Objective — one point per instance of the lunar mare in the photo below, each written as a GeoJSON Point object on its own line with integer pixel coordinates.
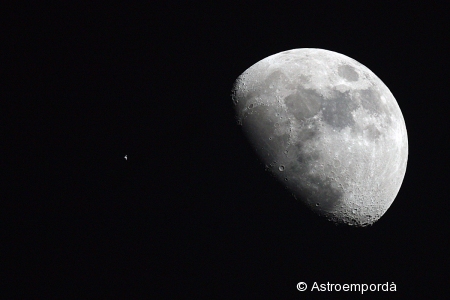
{"type": "Point", "coordinates": [328, 128]}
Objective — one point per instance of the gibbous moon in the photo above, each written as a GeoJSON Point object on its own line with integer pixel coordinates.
{"type": "Point", "coordinates": [328, 128]}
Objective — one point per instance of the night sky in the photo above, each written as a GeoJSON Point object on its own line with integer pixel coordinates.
{"type": "Point", "coordinates": [192, 212]}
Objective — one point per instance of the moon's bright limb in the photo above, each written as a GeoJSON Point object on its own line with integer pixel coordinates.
{"type": "Point", "coordinates": [328, 128]}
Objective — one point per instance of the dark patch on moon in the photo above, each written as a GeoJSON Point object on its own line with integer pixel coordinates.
{"type": "Point", "coordinates": [348, 73]}
{"type": "Point", "coordinates": [304, 103]}
{"type": "Point", "coordinates": [304, 79]}
{"type": "Point", "coordinates": [371, 132]}
{"type": "Point", "coordinates": [277, 79]}
{"type": "Point", "coordinates": [304, 135]}
{"type": "Point", "coordinates": [370, 100]}
{"type": "Point", "coordinates": [337, 110]}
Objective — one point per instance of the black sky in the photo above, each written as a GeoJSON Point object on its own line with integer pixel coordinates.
{"type": "Point", "coordinates": [192, 213]}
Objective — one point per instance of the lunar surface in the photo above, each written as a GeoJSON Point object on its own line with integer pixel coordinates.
{"type": "Point", "coordinates": [328, 128]}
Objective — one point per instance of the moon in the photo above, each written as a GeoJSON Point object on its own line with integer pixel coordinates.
{"type": "Point", "coordinates": [328, 128]}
